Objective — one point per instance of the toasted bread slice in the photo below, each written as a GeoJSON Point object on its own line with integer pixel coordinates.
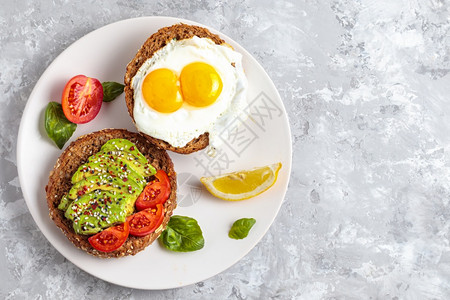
{"type": "Point", "coordinates": [76, 154]}
{"type": "Point", "coordinates": [151, 45]}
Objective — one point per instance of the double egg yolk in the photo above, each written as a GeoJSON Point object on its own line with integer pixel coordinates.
{"type": "Point", "coordinates": [198, 85]}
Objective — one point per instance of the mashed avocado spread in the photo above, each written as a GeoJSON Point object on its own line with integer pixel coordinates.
{"type": "Point", "coordinates": [106, 187]}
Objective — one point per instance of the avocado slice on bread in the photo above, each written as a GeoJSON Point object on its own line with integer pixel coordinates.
{"type": "Point", "coordinates": [81, 211]}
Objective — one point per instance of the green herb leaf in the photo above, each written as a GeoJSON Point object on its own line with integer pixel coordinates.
{"type": "Point", "coordinates": [58, 128]}
{"type": "Point", "coordinates": [111, 90]}
{"type": "Point", "coordinates": [183, 234]}
{"type": "Point", "coordinates": [241, 228]}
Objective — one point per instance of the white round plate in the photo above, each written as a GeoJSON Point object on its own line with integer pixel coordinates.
{"type": "Point", "coordinates": [264, 138]}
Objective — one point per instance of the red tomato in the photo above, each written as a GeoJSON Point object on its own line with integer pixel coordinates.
{"type": "Point", "coordinates": [146, 221]}
{"type": "Point", "coordinates": [110, 239]}
{"type": "Point", "coordinates": [155, 192]}
{"type": "Point", "coordinates": [81, 99]}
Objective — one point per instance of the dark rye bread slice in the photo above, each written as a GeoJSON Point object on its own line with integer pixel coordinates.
{"type": "Point", "coordinates": [76, 154]}
{"type": "Point", "coordinates": [151, 45]}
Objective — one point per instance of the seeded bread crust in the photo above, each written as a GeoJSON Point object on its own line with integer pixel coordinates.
{"type": "Point", "coordinates": [76, 154]}
{"type": "Point", "coordinates": [151, 45]}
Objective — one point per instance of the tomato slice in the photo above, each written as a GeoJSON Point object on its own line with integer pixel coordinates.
{"type": "Point", "coordinates": [146, 221]}
{"type": "Point", "coordinates": [110, 239]}
{"type": "Point", "coordinates": [155, 192]}
{"type": "Point", "coordinates": [162, 177]}
{"type": "Point", "coordinates": [82, 99]}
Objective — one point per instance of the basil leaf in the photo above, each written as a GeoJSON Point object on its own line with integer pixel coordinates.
{"type": "Point", "coordinates": [183, 234]}
{"type": "Point", "coordinates": [241, 228]}
{"type": "Point", "coordinates": [58, 128]}
{"type": "Point", "coordinates": [111, 90]}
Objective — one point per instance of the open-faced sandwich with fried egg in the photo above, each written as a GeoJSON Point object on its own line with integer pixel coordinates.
{"type": "Point", "coordinates": [183, 87]}
{"type": "Point", "coordinates": [112, 192]}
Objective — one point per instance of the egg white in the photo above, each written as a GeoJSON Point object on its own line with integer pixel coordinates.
{"type": "Point", "coordinates": [188, 122]}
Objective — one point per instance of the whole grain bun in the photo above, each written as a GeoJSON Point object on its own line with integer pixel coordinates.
{"type": "Point", "coordinates": [76, 154]}
{"type": "Point", "coordinates": [151, 45]}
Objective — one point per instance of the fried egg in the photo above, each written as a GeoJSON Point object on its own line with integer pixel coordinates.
{"type": "Point", "coordinates": [187, 88]}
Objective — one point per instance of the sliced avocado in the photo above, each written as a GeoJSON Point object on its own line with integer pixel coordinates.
{"type": "Point", "coordinates": [64, 203]}
{"type": "Point", "coordinates": [89, 169]}
{"type": "Point", "coordinates": [106, 187]}
{"type": "Point", "coordinates": [104, 182]}
{"type": "Point", "coordinates": [124, 145]}
{"type": "Point", "coordinates": [131, 174]}
{"type": "Point", "coordinates": [112, 168]}
{"type": "Point", "coordinates": [87, 224]}
{"type": "Point", "coordinates": [92, 212]}
{"type": "Point", "coordinates": [126, 159]}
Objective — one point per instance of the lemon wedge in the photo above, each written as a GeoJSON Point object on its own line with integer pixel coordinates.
{"type": "Point", "coordinates": [242, 184]}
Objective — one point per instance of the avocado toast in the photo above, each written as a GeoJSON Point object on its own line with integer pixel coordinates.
{"type": "Point", "coordinates": [88, 170]}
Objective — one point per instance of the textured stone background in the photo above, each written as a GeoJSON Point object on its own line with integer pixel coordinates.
{"type": "Point", "coordinates": [366, 84]}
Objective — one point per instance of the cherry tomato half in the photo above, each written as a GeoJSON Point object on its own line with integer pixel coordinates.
{"type": "Point", "coordinates": [146, 221]}
{"type": "Point", "coordinates": [82, 99]}
{"type": "Point", "coordinates": [155, 192]}
{"type": "Point", "coordinates": [110, 239]}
